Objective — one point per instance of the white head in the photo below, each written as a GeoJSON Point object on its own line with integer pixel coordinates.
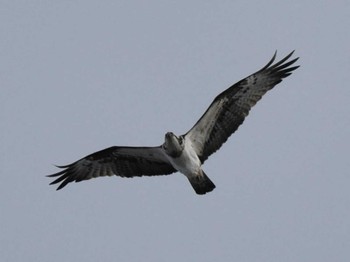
{"type": "Point", "coordinates": [173, 145]}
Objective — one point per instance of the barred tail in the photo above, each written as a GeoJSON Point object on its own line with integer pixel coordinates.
{"type": "Point", "coordinates": [201, 183]}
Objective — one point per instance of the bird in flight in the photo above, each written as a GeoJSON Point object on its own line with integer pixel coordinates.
{"type": "Point", "coordinates": [185, 153]}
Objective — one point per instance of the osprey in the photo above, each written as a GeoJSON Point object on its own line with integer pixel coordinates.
{"type": "Point", "coordinates": [185, 153]}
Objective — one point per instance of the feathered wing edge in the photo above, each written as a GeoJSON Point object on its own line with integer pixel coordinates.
{"type": "Point", "coordinates": [119, 161]}
{"type": "Point", "coordinates": [208, 134]}
{"type": "Point", "coordinates": [279, 65]}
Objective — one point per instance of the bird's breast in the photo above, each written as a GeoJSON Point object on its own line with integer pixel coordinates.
{"type": "Point", "coordinates": [188, 162]}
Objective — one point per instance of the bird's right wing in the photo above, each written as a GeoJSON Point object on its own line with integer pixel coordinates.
{"type": "Point", "coordinates": [120, 161]}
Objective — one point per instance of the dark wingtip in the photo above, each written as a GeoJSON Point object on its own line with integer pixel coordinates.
{"type": "Point", "coordinates": [58, 173]}
{"type": "Point", "coordinates": [62, 177]}
{"type": "Point", "coordinates": [282, 67]}
{"type": "Point", "coordinates": [61, 186]}
{"type": "Point", "coordinates": [279, 62]}
{"type": "Point", "coordinates": [270, 62]}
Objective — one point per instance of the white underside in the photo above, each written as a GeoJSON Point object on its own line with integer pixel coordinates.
{"type": "Point", "coordinates": [188, 162]}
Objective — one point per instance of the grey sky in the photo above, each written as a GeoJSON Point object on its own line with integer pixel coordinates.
{"type": "Point", "coordinates": [80, 76]}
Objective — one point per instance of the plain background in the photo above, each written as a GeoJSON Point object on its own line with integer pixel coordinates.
{"type": "Point", "coordinates": [80, 76]}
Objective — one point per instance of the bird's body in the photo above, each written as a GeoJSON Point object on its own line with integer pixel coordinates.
{"type": "Point", "coordinates": [183, 157]}
{"type": "Point", "coordinates": [185, 153]}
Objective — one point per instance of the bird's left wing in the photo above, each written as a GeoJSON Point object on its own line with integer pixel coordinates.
{"type": "Point", "coordinates": [120, 161]}
{"type": "Point", "coordinates": [229, 109]}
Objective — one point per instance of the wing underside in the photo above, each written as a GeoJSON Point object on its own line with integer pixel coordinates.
{"type": "Point", "coordinates": [119, 161]}
{"type": "Point", "coordinates": [229, 109]}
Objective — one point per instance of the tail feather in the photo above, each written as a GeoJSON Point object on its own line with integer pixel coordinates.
{"type": "Point", "coordinates": [201, 183]}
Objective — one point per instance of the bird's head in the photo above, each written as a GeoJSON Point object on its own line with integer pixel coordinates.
{"type": "Point", "coordinates": [173, 145]}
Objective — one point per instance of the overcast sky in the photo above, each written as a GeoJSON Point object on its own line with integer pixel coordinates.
{"type": "Point", "coordinates": [79, 76]}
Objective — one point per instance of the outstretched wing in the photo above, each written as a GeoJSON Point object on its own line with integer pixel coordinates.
{"type": "Point", "coordinates": [120, 161]}
{"type": "Point", "coordinates": [229, 109]}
